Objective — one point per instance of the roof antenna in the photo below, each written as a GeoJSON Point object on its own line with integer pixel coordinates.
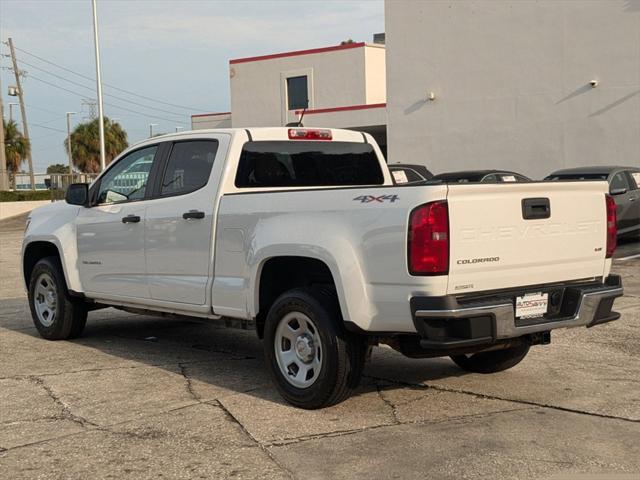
{"type": "Point", "coordinates": [304, 110]}
{"type": "Point", "coordinates": [299, 122]}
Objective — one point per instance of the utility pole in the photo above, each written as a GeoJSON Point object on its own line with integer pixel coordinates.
{"type": "Point", "coordinates": [4, 175]}
{"type": "Point", "coordinates": [96, 42]}
{"type": "Point", "coordinates": [69, 146]}
{"type": "Point", "coordinates": [23, 112]}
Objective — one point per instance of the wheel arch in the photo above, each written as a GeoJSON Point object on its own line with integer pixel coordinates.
{"type": "Point", "coordinates": [280, 273]}
{"type": "Point", "coordinates": [34, 252]}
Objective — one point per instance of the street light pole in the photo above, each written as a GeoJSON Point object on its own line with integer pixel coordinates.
{"type": "Point", "coordinates": [96, 42]}
{"type": "Point", "coordinates": [69, 146]}
{"type": "Point", "coordinates": [11, 105]}
{"type": "Point", "coordinates": [151, 125]}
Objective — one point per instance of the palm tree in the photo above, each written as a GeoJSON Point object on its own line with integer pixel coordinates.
{"type": "Point", "coordinates": [85, 144]}
{"type": "Point", "coordinates": [16, 147]}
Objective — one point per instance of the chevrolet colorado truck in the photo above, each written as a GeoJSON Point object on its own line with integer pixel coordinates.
{"type": "Point", "coordinates": [302, 234]}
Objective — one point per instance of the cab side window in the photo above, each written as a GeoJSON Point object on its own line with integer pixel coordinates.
{"type": "Point", "coordinates": [490, 179]}
{"type": "Point", "coordinates": [127, 180]}
{"type": "Point", "coordinates": [188, 167]}
{"type": "Point", "coordinates": [619, 181]}
{"type": "Point", "coordinates": [634, 179]}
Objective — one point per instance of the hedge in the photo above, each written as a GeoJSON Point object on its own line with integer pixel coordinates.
{"type": "Point", "coordinates": [25, 196]}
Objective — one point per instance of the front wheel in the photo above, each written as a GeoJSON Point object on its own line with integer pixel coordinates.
{"type": "Point", "coordinates": [492, 361]}
{"type": "Point", "coordinates": [54, 313]}
{"type": "Point", "coordinates": [314, 361]}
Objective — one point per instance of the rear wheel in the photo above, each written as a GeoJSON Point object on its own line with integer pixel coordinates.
{"type": "Point", "coordinates": [493, 361]}
{"type": "Point", "coordinates": [54, 313]}
{"type": "Point", "coordinates": [314, 361]}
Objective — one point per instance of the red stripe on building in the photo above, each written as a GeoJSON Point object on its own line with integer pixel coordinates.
{"type": "Point", "coordinates": [342, 109]}
{"type": "Point", "coordinates": [210, 114]}
{"type": "Point", "coordinates": [298, 52]}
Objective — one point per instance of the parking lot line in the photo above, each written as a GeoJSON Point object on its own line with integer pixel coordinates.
{"type": "Point", "coordinates": [630, 257]}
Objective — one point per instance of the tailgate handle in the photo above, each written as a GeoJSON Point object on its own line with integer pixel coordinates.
{"type": "Point", "coordinates": [534, 208]}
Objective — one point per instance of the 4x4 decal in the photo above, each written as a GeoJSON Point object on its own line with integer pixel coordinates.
{"type": "Point", "coordinates": [374, 199]}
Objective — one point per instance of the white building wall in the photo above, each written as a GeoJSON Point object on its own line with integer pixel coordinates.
{"type": "Point", "coordinates": [375, 74]}
{"type": "Point", "coordinates": [211, 120]}
{"type": "Point", "coordinates": [511, 80]}
{"type": "Point", "coordinates": [336, 78]}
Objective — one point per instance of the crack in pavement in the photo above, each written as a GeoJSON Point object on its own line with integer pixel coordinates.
{"type": "Point", "coordinates": [263, 447]}
{"type": "Point", "coordinates": [188, 383]}
{"type": "Point", "coordinates": [66, 409]}
{"type": "Point", "coordinates": [388, 403]}
{"type": "Point", "coordinates": [495, 397]}
{"type": "Point", "coordinates": [108, 369]}
{"type": "Point", "coordinates": [103, 428]}
{"type": "Point", "coordinates": [48, 418]}
{"type": "Point", "coordinates": [342, 433]}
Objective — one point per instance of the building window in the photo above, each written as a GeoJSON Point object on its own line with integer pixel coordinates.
{"type": "Point", "coordinates": [297, 93]}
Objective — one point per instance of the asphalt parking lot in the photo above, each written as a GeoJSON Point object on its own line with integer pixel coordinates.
{"type": "Point", "coordinates": [143, 397]}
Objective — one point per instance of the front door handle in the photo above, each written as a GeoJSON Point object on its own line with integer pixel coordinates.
{"type": "Point", "coordinates": [192, 214]}
{"type": "Point", "coordinates": [131, 219]}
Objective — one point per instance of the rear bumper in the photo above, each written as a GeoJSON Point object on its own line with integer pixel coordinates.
{"type": "Point", "coordinates": [454, 322]}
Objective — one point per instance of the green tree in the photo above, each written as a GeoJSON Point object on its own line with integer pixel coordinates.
{"type": "Point", "coordinates": [16, 147]}
{"type": "Point", "coordinates": [85, 144]}
{"type": "Point", "coordinates": [58, 168]}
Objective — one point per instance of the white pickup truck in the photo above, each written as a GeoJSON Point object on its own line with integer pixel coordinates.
{"type": "Point", "coordinates": [302, 234]}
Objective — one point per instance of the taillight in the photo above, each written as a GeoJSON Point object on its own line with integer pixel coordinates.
{"type": "Point", "coordinates": [612, 226]}
{"type": "Point", "coordinates": [308, 134]}
{"type": "Point", "coordinates": [429, 239]}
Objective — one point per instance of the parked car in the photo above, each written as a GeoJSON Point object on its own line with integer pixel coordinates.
{"type": "Point", "coordinates": [406, 174]}
{"type": "Point", "coordinates": [481, 176]}
{"type": "Point", "coordinates": [624, 187]}
{"type": "Point", "coordinates": [302, 234]}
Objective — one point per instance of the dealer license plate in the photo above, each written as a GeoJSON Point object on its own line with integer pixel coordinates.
{"type": "Point", "coordinates": [532, 305]}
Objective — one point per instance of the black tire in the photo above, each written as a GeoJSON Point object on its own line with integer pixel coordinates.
{"type": "Point", "coordinates": [343, 353]}
{"type": "Point", "coordinates": [493, 361]}
{"type": "Point", "coordinates": [70, 316]}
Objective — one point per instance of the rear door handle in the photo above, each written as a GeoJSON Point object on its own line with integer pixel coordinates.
{"type": "Point", "coordinates": [131, 219]}
{"type": "Point", "coordinates": [192, 214]}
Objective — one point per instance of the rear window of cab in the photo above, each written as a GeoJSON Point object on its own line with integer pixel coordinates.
{"type": "Point", "coordinates": [307, 164]}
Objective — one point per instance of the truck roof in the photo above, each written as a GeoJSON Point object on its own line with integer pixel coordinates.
{"type": "Point", "coordinates": [263, 133]}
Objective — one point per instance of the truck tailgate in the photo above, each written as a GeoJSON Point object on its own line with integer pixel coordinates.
{"type": "Point", "coordinates": [499, 237]}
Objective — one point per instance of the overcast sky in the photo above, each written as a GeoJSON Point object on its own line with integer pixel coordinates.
{"type": "Point", "coordinates": [173, 51]}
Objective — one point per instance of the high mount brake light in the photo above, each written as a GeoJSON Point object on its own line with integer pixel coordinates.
{"type": "Point", "coordinates": [308, 134]}
{"type": "Point", "coordinates": [612, 226]}
{"type": "Point", "coordinates": [428, 239]}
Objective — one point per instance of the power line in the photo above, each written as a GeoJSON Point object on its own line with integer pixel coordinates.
{"type": "Point", "coordinates": [48, 128]}
{"type": "Point", "coordinates": [106, 94]}
{"type": "Point", "coordinates": [86, 77]}
{"type": "Point", "coordinates": [43, 109]}
{"type": "Point", "coordinates": [141, 114]}
{"type": "Point", "coordinates": [40, 137]}
{"type": "Point", "coordinates": [57, 119]}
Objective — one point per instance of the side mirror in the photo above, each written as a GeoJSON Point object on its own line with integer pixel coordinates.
{"type": "Point", "coordinates": [617, 191]}
{"type": "Point", "coordinates": [77, 194]}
